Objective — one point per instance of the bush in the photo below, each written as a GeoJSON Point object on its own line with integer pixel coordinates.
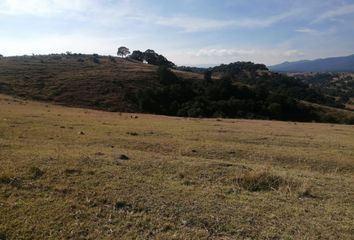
{"type": "Point", "coordinates": [255, 181]}
{"type": "Point", "coordinates": [35, 173]}
{"type": "Point", "coordinates": [166, 76]}
{"type": "Point", "coordinates": [112, 59]}
{"type": "Point", "coordinates": [96, 59]}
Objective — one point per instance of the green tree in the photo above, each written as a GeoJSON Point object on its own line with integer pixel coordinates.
{"type": "Point", "coordinates": [137, 55]}
{"type": "Point", "coordinates": [123, 51]}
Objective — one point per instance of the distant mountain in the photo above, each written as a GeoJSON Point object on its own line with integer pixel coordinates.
{"type": "Point", "coordinates": [334, 64]}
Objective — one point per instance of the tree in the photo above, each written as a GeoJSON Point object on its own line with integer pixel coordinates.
{"type": "Point", "coordinates": [137, 55]}
{"type": "Point", "coordinates": [166, 76]}
{"type": "Point", "coordinates": [151, 57]}
{"type": "Point", "coordinates": [123, 51]}
{"type": "Point", "coordinates": [207, 76]}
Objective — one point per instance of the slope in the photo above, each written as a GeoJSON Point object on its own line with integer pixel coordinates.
{"type": "Point", "coordinates": [334, 64]}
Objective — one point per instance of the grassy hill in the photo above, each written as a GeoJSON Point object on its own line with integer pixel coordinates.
{"type": "Point", "coordinates": [63, 176]}
{"type": "Point", "coordinates": [123, 85]}
{"type": "Point", "coordinates": [79, 80]}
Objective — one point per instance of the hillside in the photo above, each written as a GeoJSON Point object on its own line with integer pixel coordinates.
{"type": "Point", "coordinates": [79, 80]}
{"type": "Point", "coordinates": [243, 90]}
{"type": "Point", "coordinates": [336, 85]}
{"type": "Point", "coordinates": [334, 64]}
{"type": "Point", "coordinates": [71, 173]}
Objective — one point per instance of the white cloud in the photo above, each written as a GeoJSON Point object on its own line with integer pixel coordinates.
{"type": "Point", "coordinates": [192, 24]}
{"type": "Point", "coordinates": [77, 43]}
{"type": "Point", "coordinates": [42, 7]}
{"type": "Point", "coordinates": [221, 52]}
{"type": "Point", "coordinates": [305, 30]}
{"type": "Point", "coordinates": [215, 56]}
{"type": "Point", "coordinates": [106, 12]}
{"type": "Point", "coordinates": [334, 13]}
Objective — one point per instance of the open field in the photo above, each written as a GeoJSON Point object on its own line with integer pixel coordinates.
{"type": "Point", "coordinates": [62, 176]}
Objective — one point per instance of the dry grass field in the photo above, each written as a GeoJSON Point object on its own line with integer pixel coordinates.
{"type": "Point", "coordinates": [69, 173]}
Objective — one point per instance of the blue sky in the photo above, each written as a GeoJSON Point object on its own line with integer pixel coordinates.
{"type": "Point", "coordinates": [188, 32]}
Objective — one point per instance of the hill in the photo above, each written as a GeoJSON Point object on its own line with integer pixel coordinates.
{"type": "Point", "coordinates": [70, 173]}
{"type": "Point", "coordinates": [339, 86]}
{"type": "Point", "coordinates": [243, 90]}
{"type": "Point", "coordinates": [78, 80]}
{"type": "Point", "coordinates": [334, 64]}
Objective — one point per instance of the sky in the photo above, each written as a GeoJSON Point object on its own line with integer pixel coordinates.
{"type": "Point", "coordinates": [187, 32]}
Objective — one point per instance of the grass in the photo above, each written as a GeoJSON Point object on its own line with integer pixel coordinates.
{"type": "Point", "coordinates": [76, 80]}
{"type": "Point", "coordinates": [61, 176]}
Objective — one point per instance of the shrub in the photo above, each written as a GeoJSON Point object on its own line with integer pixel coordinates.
{"type": "Point", "coordinates": [166, 76]}
{"type": "Point", "coordinates": [35, 173]}
{"type": "Point", "coordinates": [112, 59]}
{"type": "Point", "coordinates": [96, 59]}
{"type": "Point", "coordinates": [256, 181]}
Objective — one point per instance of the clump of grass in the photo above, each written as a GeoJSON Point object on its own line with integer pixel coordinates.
{"type": "Point", "coordinates": [6, 180]}
{"type": "Point", "coordinates": [257, 181]}
{"type": "Point", "coordinates": [133, 133]}
{"type": "Point", "coordinates": [3, 236]}
{"type": "Point", "coordinates": [122, 157]}
{"type": "Point", "coordinates": [35, 173]}
{"type": "Point", "coordinates": [306, 192]}
{"type": "Point", "coordinates": [122, 205]}
{"type": "Point", "coordinates": [71, 171]}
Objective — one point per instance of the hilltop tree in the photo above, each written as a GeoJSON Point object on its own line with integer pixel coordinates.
{"type": "Point", "coordinates": [123, 51]}
{"type": "Point", "coordinates": [137, 55]}
{"type": "Point", "coordinates": [156, 59]}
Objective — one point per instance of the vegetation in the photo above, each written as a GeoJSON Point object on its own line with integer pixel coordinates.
{"type": "Point", "coordinates": [117, 84]}
{"type": "Point", "coordinates": [123, 51]}
{"type": "Point", "coordinates": [273, 97]}
{"type": "Point", "coordinates": [151, 57]}
{"type": "Point", "coordinates": [339, 86]}
{"type": "Point", "coordinates": [63, 175]}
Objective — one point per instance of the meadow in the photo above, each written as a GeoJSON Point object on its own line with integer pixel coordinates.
{"type": "Point", "coordinates": [72, 173]}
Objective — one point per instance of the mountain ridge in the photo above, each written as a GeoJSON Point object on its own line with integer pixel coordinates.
{"type": "Point", "coordinates": [331, 64]}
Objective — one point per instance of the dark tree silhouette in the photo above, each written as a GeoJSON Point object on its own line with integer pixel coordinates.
{"type": "Point", "coordinates": [137, 55]}
{"type": "Point", "coordinates": [123, 51]}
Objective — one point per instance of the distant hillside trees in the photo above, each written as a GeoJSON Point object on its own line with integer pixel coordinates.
{"type": "Point", "coordinates": [218, 98]}
{"type": "Point", "coordinates": [123, 51]}
{"type": "Point", "coordinates": [151, 57]}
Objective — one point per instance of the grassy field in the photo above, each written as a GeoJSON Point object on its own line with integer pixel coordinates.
{"type": "Point", "coordinates": [68, 173]}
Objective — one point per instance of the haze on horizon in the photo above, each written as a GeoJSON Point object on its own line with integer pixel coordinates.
{"type": "Point", "coordinates": [188, 32]}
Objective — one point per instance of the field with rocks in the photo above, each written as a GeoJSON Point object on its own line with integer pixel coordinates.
{"type": "Point", "coordinates": [70, 173]}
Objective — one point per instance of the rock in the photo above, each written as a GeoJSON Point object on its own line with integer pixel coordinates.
{"type": "Point", "coordinates": [81, 133]}
{"type": "Point", "coordinates": [123, 157]}
{"type": "Point", "coordinates": [132, 133]}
